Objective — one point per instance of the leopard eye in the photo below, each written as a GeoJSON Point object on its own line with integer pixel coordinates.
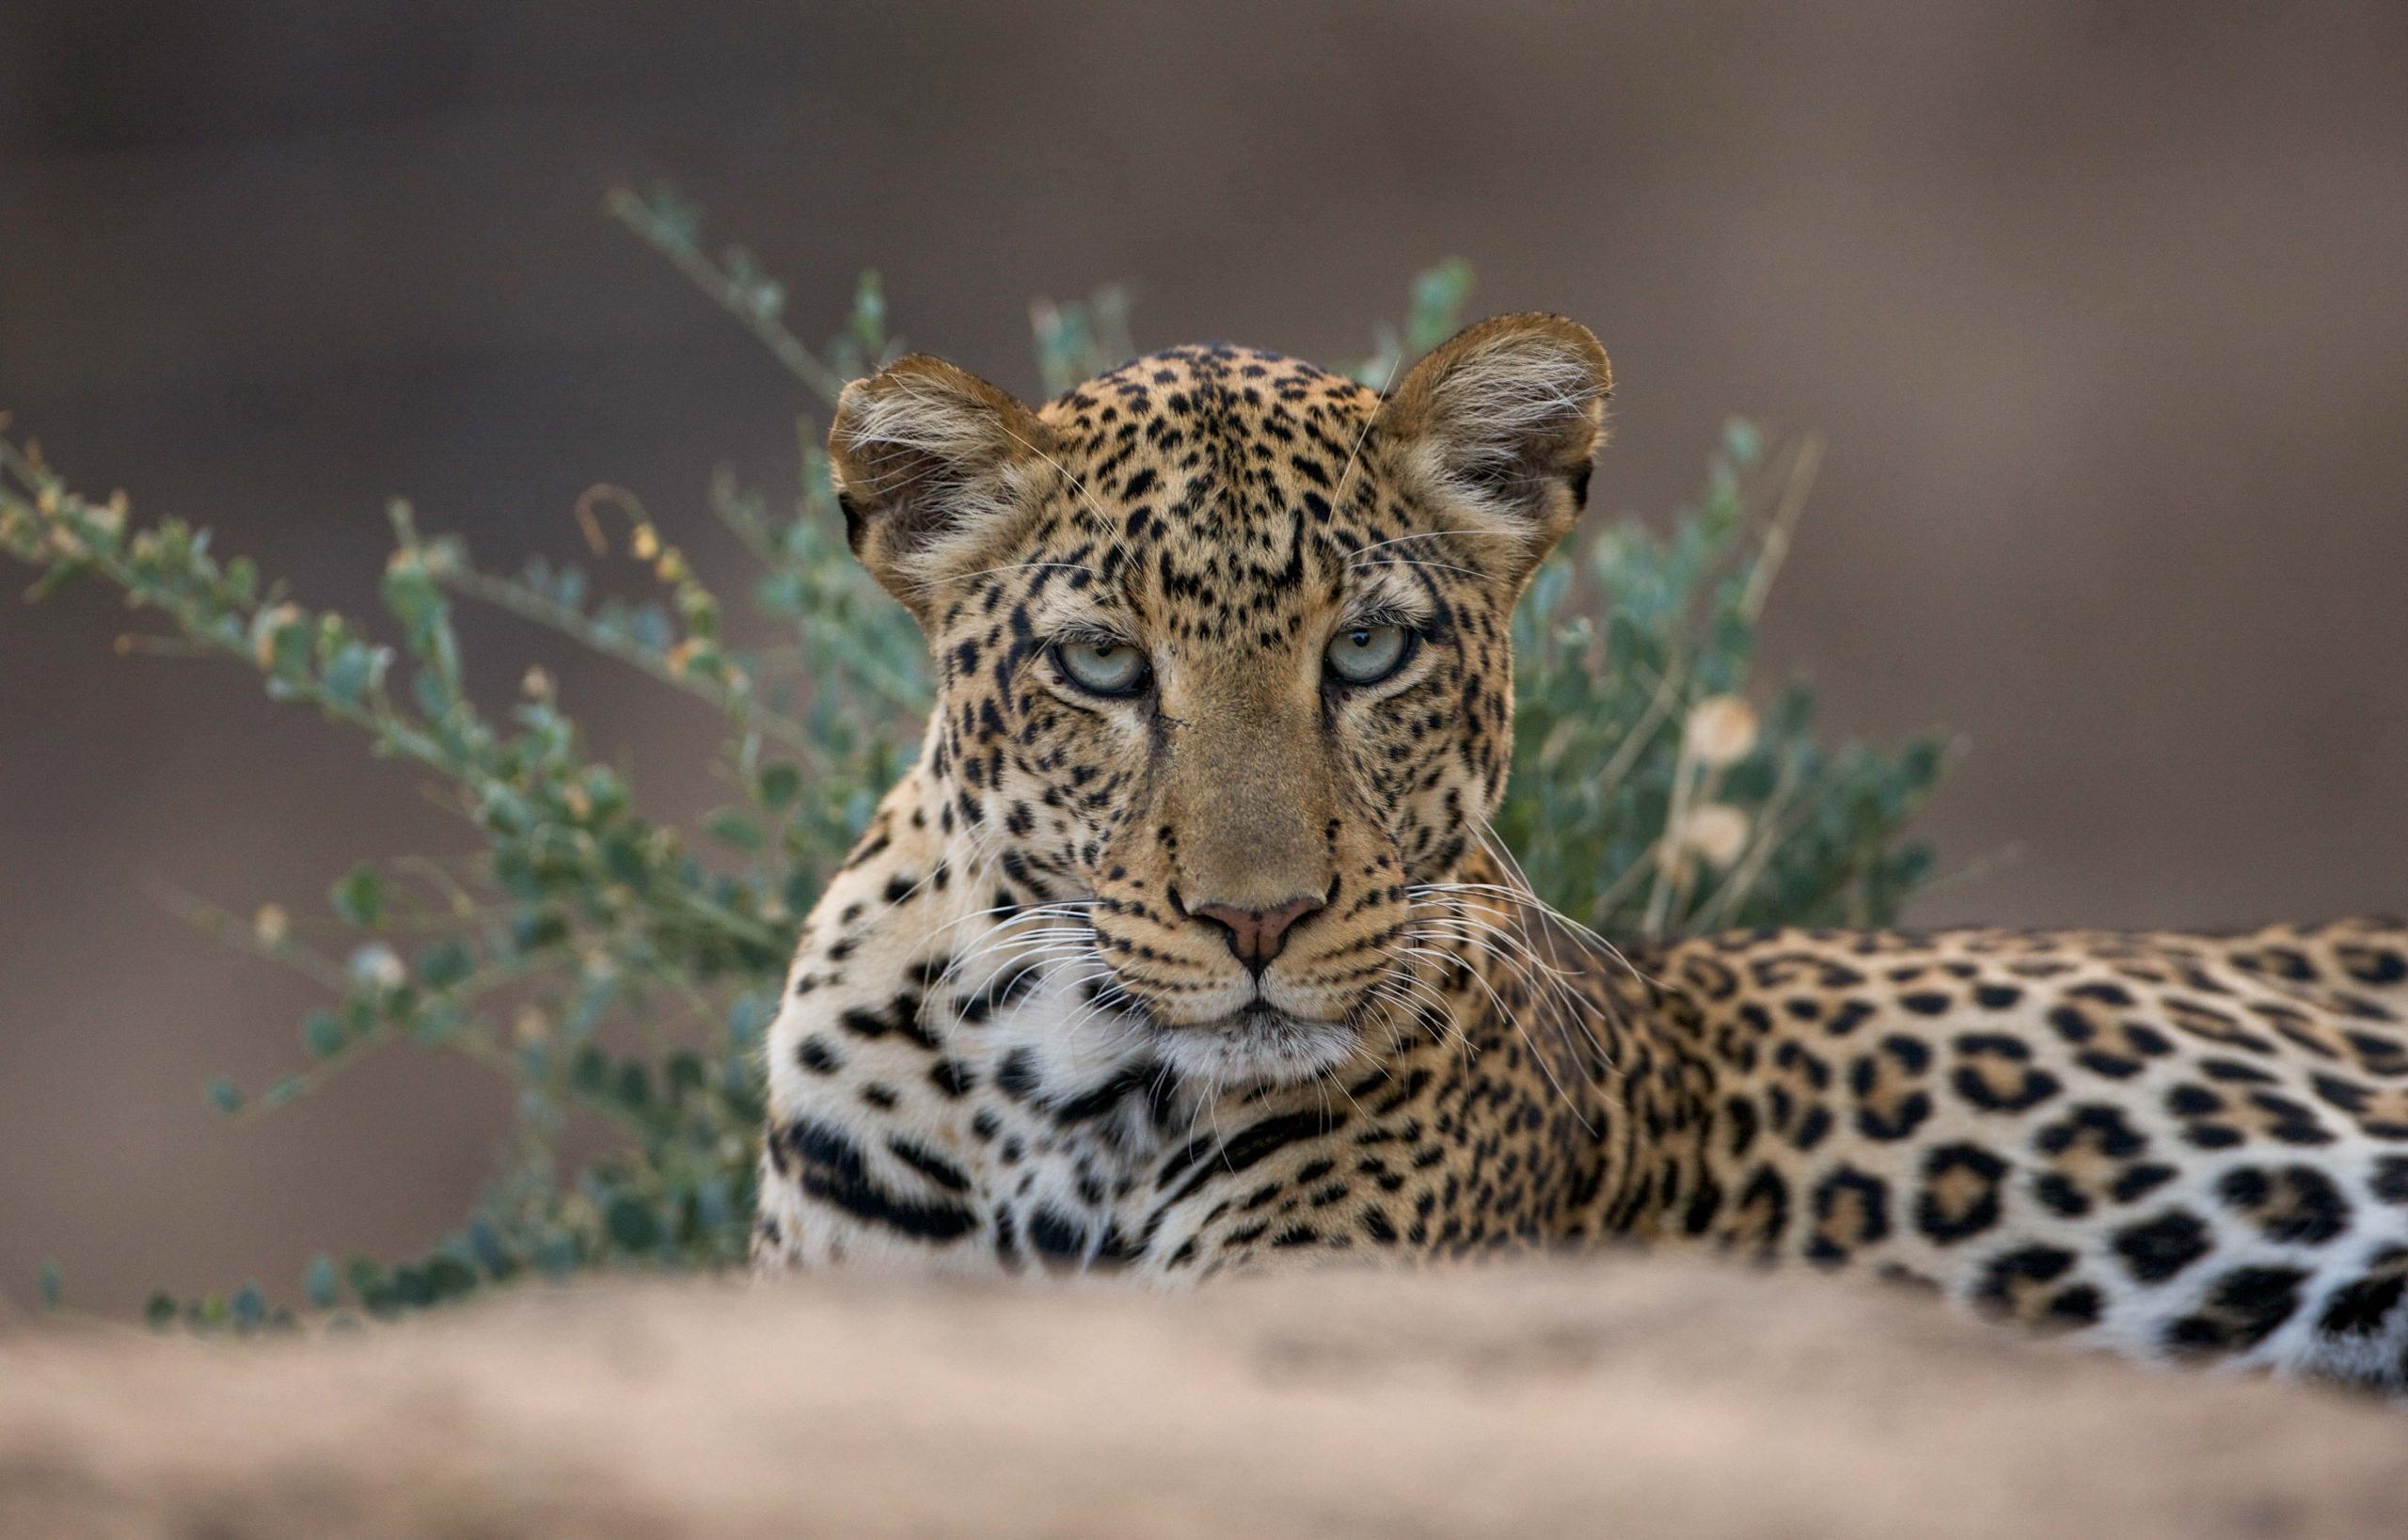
{"type": "Point", "coordinates": [1365, 655]}
{"type": "Point", "coordinates": [1106, 668]}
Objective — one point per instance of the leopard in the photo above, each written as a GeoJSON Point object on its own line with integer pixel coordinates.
{"type": "Point", "coordinates": [1185, 947]}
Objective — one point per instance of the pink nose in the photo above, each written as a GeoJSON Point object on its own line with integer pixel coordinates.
{"type": "Point", "coordinates": [1257, 935]}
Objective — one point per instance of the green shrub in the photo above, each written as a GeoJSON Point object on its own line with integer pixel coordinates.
{"type": "Point", "coordinates": [577, 925]}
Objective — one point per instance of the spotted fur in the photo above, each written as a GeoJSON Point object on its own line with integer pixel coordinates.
{"type": "Point", "coordinates": [1034, 1024]}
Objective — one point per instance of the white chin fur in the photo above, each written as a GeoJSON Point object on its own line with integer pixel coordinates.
{"type": "Point", "coordinates": [1277, 1049]}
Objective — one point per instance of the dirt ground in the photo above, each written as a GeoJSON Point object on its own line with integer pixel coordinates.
{"type": "Point", "coordinates": [1622, 1397]}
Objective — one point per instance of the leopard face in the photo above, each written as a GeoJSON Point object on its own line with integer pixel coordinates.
{"type": "Point", "coordinates": [1224, 675]}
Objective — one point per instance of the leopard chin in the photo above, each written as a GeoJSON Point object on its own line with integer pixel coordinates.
{"type": "Point", "coordinates": [1259, 1044]}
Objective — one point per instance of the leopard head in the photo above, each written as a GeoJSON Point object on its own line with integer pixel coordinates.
{"type": "Point", "coordinates": [1222, 656]}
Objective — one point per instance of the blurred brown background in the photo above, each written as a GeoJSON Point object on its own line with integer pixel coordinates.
{"type": "Point", "coordinates": [2103, 308]}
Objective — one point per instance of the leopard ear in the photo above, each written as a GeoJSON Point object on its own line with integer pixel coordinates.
{"type": "Point", "coordinates": [932, 465]}
{"type": "Point", "coordinates": [1500, 423]}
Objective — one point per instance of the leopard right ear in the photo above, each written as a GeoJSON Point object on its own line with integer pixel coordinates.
{"type": "Point", "coordinates": [933, 465]}
{"type": "Point", "coordinates": [1501, 421]}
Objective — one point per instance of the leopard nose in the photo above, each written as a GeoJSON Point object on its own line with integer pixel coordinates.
{"type": "Point", "coordinates": [1257, 935]}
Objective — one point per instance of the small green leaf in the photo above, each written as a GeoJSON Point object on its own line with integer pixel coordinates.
{"type": "Point", "coordinates": [53, 1288]}
{"type": "Point", "coordinates": [433, 697]}
{"type": "Point", "coordinates": [622, 860]}
{"type": "Point", "coordinates": [447, 1277]}
{"type": "Point", "coordinates": [249, 1306]}
{"type": "Point", "coordinates": [652, 630]}
{"type": "Point", "coordinates": [159, 1311]}
{"type": "Point", "coordinates": [869, 313]}
{"type": "Point", "coordinates": [557, 1255]}
{"type": "Point", "coordinates": [319, 1282]}
{"type": "Point", "coordinates": [487, 1248]}
{"type": "Point", "coordinates": [322, 1035]}
{"type": "Point", "coordinates": [415, 598]}
{"type": "Point", "coordinates": [1741, 443]}
{"type": "Point", "coordinates": [591, 1071]}
{"type": "Point", "coordinates": [731, 827]}
{"type": "Point", "coordinates": [1439, 296]}
{"type": "Point", "coordinates": [632, 1225]}
{"type": "Point", "coordinates": [280, 641]}
{"type": "Point", "coordinates": [433, 1021]}
{"type": "Point", "coordinates": [411, 1288]}
{"type": "Point", "coordinates": [365, 1276]}
{"type": "Point", "coordinates": [634, 1089]}
{"type": "Point", "coordinates": [778, 784]}
{"type": "Point", "coordinates": [352, 670]}
{"type": "Point", "coordinates": [225, 1095]}
{"type": "Point", "coordinates": [446, 964]}
{"type": "Point", "coordinates": [359, 896]}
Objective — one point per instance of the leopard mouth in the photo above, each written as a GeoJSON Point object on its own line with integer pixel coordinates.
{"type": "Point", "coordinates": [1257, 1041]}
{"type": "Point", "coordinates": [1258, 1016]}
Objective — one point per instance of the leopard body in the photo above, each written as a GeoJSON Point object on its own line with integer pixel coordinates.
{"type": "Point", "coordinates": [1220, 968]}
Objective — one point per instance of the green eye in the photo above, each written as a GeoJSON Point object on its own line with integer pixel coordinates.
{"type": "Point", "coordinates": [1107, 668]}
{"type": "Point", "coordinates": [1365, 655]}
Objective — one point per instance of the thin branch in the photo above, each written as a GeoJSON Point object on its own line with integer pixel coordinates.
{"type": "Point", "coordinates": [624, 205]}
{"type": "Point", "coordinates": [527, 604]}
{"type": "Point", "coordinates": [1802, 471]}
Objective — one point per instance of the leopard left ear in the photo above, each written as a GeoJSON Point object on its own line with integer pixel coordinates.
{"type": "Point", "coordinates": [933, 466]}
{"type": "Point", "coordinates": [1500, 423]}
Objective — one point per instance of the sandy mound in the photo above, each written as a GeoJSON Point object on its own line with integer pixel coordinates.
{"type": "Point", "coordinates": [1624, 1397]}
